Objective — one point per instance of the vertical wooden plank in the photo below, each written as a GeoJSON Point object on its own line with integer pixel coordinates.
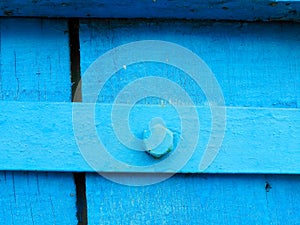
{"type": "Point", "coordinates": [257, 65]}
{"type": "Point", "coordinates": [35, 60]}
{"type": "Point", "coordinates": [197, 199]}
{"type": "Point", "coordinates": [35, 67]}
{"type": "Point", "coordinates": [282, 199]}
{"type": "Point", "coordinates": [37, 198]}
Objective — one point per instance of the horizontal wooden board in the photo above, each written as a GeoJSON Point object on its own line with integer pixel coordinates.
{"type": "Point", "coordinates": [40, 136]}
{"type": "Point", "coordinates": [212, 9]}
{"type": "Point", "coordinates": [197, 199]}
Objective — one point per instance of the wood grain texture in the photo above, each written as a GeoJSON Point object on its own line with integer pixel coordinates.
{"type": "Point", "coordinates": [255, 139]}
{"type": "Point", "coordinates": [252, 10]}
{"type": "Point", "coordinates": [197, 199]}
{"type": "Point", "coordinates": [35, 67]}
{"type": "Point", "coordinates": [256, 64]}
{"type": "Point", "coordinates": [37, 198]}
{"type": "Point", "coordinates": [52, 146]}
{"type": "Point", "coordinates": [34, 60]}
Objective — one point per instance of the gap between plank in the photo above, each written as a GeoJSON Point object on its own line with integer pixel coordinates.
{"type": "Point", "coordinates": [79, 178]}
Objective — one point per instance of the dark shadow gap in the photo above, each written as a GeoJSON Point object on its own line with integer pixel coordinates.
{"type": "Point", "coordinates": [75, 59]}
{"type": "Point", "coordinates": [79, 178]}
{"type": "Point", "coordinates": [81, 204]}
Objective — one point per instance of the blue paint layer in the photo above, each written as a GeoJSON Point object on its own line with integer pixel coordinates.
{"type": "Point", "coordinates": [34, 59]}
{"type": "Point", "coordinates": [34, 63]}
{"type": "Point", "coordinates": [252, 10]}
{"type": "Point", "coordinates": [255, 140]}
{"type": "Point", "coordinates": [256, 65]}
{"type": "Point", "coordinates": [196, 199]}
{"type": "Point", "coordinates": [39, 136]}
{"type": "Point", "coordinates": [37, 198]}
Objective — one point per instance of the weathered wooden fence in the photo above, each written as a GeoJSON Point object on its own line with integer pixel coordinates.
{"type": "Point", "coordinates": [252, 48]}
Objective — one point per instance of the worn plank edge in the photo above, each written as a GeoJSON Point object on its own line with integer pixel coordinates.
{"type": "Point", "coordinates": [250, 10]}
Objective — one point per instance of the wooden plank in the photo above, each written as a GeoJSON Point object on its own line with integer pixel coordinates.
{"type": "Point", "coordinates": [197, 199]}
{"type": "Point", "coordinates": [252, 62]}
{"type": "Point", "coordinates": [255, 139]}
{"type": "Point", "coordinates": [256, 64]}
{"type": "Point", "coordinates": [34, 64]}
{"type": "Point", "coordinates": [37, 198]}
{"type": "Point", "coordinates": [252, 10]}
{"type": "Point", "coordinates": [35, 67]}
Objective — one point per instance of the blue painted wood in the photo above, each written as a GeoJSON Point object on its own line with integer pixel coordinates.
{"type": "Point", "coordinates": [256, 64]}
{"type": "Point", "coordinates": [257, 67]}
{"type": "Point", "coordinates": [265, 54]}
{"type": "Point", "coordinates": [34, 67]}
{"type": "Point", "coordinates": [211, 9]}
{"type": "Point", "coordinates": [197, 199]}
{"type": "Point", "coordinates": [37, 198]}
{"type": "Point", "coordinates": [34, 64]}
{"type": "Point", "coordinates": [52, 146]}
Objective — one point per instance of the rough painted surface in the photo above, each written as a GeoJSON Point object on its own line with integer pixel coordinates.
{"type": "Point", "coordinates": [193, 9]}
{"type": "Point", "coordinates": [34, 67]}
{"type": "Point", "coordinates": [34, 60]}
{"type": "Point", "coordinates": [255, 140]}
{"type": "Point", "coordinates": [37, 198]}
{"type": "Point", "coordinates": [257, 65]}
{"type": "Point", "coordinates": [197, 199]}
